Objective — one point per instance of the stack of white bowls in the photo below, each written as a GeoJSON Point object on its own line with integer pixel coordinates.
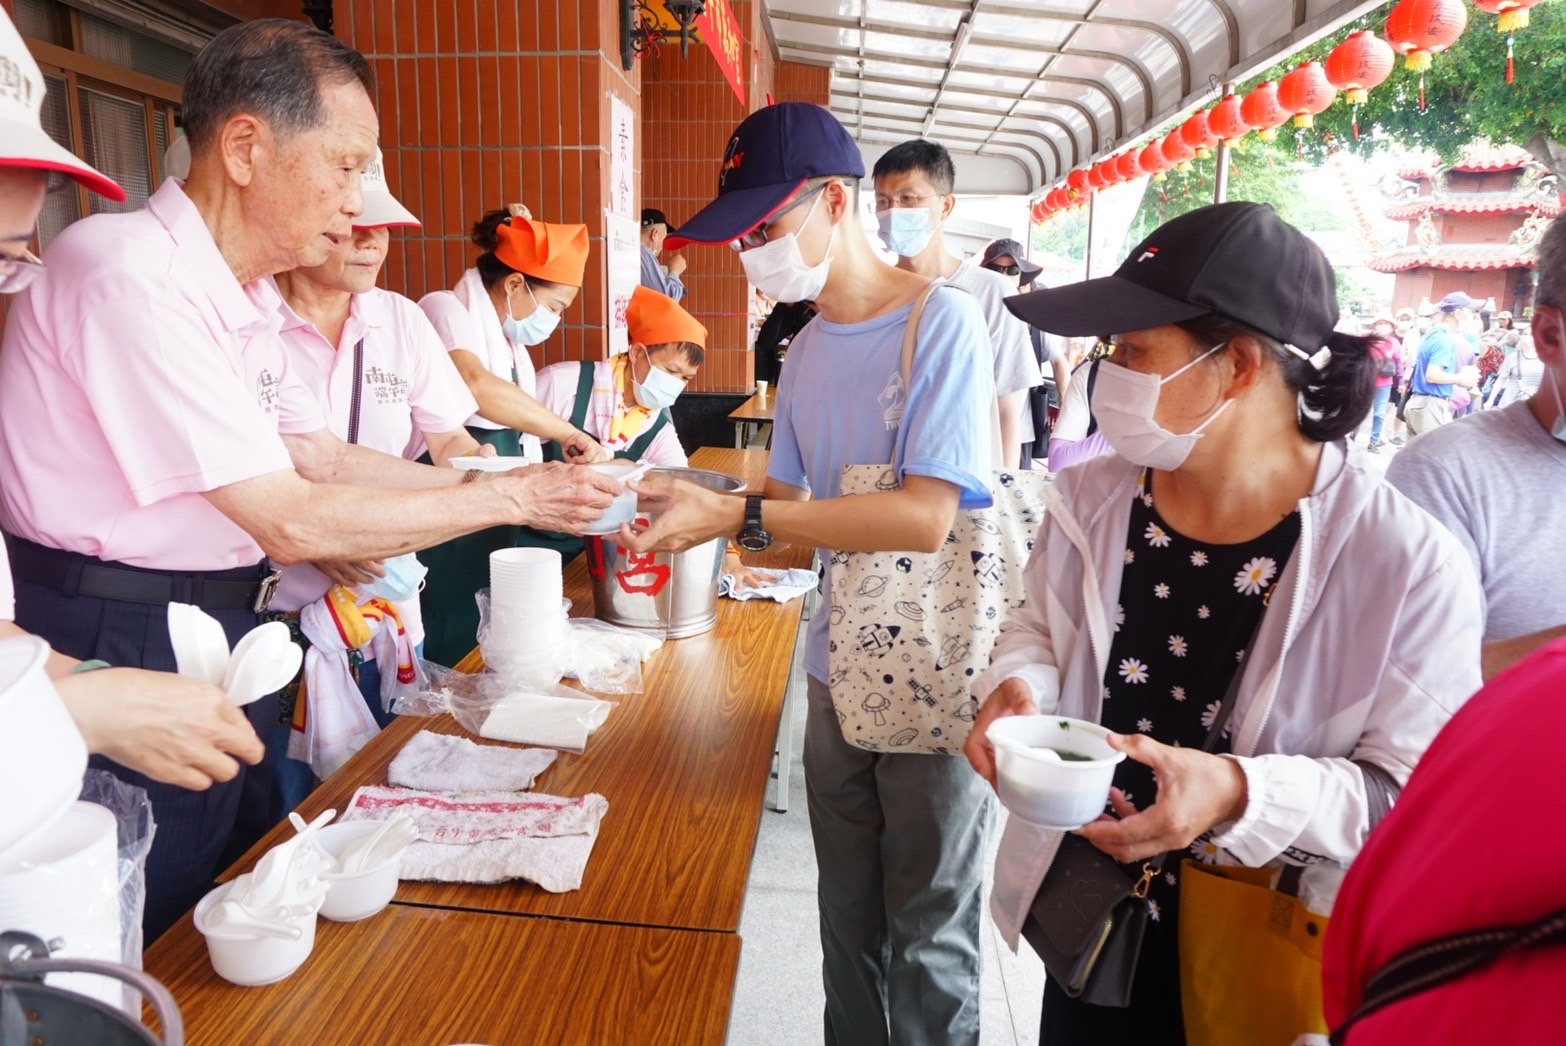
{"type": "Point", "coordinates": [525, 637]}
{"type": "Point", "coordinates": [42, 757]}
{"type": "Point", "coordinates": [64, 886]}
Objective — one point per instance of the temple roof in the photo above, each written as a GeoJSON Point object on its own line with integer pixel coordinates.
{"type": "Point", "coordinates": [1456, 257]}
{"type": "Point", "coordinates": [1525, 202]}
{"type": "Point", "coordinates": [1481, 156]}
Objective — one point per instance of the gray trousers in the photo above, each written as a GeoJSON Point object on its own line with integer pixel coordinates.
{"type": "Point", "coordinates": [900, 845]}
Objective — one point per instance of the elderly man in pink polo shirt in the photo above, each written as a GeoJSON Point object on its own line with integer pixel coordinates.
{"type": "Point", "coordinates": [179, 731]}
{"type": "Point", "coordinates": [155, 444]}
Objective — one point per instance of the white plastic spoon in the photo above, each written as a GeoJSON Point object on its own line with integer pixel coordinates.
{"type": "Point", "coordinates": [200, 646]}
{"type": "Point", "coordinates": [231, 915]}
{"type": "Point", "coordinates": [265, 660]}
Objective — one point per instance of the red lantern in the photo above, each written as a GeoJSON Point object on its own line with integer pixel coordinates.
{"type": "Point", "coordinates": [1038, 213]}
{"type": "Point", "coordinates": [1077, 182]}
{"type": "Point", "coordinates": [1513, 16]}
{"type": "Point", "coordinates": [1058, 199]}
{"type": "Point", "coordinates": [1126, 165]}
{"type": "Point", "coordinates": [1306, 92]}
{"type": "Point", "coordinates": [1226, 121]}
{"type": "Point", "coordinates": [1151, 159]}
{"type": "Point", "coordinates": [1099, 175]}
{"type": "Point", "coordinates": [1197, 134]}
{"type": "Point", "coordinates": [1422, 28]}
{"type": "Point", "coordinates": [1176, 152]}
{"type": "Point", "coordinates": [1262, 110]}
{"type": "Point", "coordinates": [1356, 65]}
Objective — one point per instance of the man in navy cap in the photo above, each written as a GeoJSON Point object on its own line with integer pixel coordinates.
{"type": "Point", "coordinates": [1438, 367]}
{"type": "Point", "coordinates": [899, 838]}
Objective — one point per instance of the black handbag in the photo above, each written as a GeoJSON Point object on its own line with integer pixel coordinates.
{"type": "Point", "coordinates": [1088, 918]}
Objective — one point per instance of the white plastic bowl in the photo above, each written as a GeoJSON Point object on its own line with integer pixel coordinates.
{"type": "Point", "coordinates": [247, 960]}
{"type": "Point", "coordinates": [623, 508]}
{"type": "Point", "coordinates": [42, 756]}
{"type": "Point", "coordinates": [1045, 790]}
{"type": "Point", "coordinates": [361, 894]}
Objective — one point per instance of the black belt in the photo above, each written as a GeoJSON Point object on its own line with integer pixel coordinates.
{"type": "Point", "coordinates": [71, 573]}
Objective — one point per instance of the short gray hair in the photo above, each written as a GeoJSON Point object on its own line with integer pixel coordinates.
{"type": "Point", "coordinates": [1550, 266]}
{"type": "Point", "coordinates": [273, 68]}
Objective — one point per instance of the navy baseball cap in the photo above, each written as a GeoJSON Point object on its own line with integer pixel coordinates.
{"type": "Point", "coordinates": [1239, 260]}
{"type": "Point", "coordinates": [771, 154]}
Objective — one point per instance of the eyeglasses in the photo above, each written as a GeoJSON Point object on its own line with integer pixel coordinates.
{"type": "Point", "coordinates": [905, 200]}
{"type": "Point", "coordinates": [1006, 270]}
{"type": "Point", "coordinates": [761, 233]}
{"type": "Point", "coordinates": [17, 271]}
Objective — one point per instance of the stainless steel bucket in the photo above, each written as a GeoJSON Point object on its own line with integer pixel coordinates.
{"type": "Point", "coordinates": [672, 592]}
{"type": "Point", "coordinates": [33, 1012]}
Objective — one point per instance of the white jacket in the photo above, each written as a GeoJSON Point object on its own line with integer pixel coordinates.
{"type": "Point", "coordinates": [1377, 646]}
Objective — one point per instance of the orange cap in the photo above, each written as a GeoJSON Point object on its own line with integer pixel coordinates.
{"type": "Point", "coordinates": [556, 253]}
{"type": "Point", "coordinates": [657, 319]}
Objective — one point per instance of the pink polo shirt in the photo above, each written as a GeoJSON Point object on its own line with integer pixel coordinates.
{"type": "Point", "coordinates": [135, 375]}
{"type": "Point", "coordinates": [7, 593]}
{"type": "Point", "coordinates": [408, 387]}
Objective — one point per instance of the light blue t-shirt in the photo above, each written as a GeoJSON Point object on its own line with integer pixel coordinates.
{"type": "Point", "coordinates": [1439, 347]}
{"type": "Point", "coordinates": [841, 402]}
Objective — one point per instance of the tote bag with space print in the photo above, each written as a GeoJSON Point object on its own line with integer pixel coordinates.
{"type": "Point", "coordinates": [908, 631]}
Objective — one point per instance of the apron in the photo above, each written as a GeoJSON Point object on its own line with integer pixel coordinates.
{"type": "Point", "coordinates": [459, 568]}
{"type": "Point", "coordinates": [570, 545]}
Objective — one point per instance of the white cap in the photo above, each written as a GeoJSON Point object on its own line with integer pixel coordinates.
{"type": "Point", "coordinates": [23, 141]}
{"type": "Point", "coordinates": [380, 206]}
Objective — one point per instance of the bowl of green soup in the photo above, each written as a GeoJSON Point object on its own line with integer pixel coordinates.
{"type": "Point", "coordinates": [1052, 771]}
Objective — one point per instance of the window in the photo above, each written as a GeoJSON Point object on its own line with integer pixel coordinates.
{"type": "Point", "coordinates": [113, 96]}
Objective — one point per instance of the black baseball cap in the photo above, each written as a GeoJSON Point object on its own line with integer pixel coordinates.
{"type": "Point", "coordinates": [1013, 250]}
{"type": "Point", "coordinates": [771, 154]}
{"type": "Point", "coordinates": [653, 216]}
{"type": "Point", "coordinates": [1239, 260]}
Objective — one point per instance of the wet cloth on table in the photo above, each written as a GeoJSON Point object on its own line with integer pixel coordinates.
{"type": "Point", "coordinates": [489, 837]}
{"type": "Point", "coordinates": [445, 762]}
{"type": "Point", "coordinates": [788, 584]}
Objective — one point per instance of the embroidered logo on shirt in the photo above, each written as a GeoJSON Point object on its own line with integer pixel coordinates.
{"type": "Point", "coordinates": [267, 390]}
{"type": "Point", "coordinates": [387, 387]}
{"type": "Point", "coordinates": [1151, 252]}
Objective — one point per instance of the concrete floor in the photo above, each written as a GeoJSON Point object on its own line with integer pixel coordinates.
{"type": "Point", "coordinates": [778, 999]}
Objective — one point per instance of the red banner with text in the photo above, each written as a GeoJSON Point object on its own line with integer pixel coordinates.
{"type": "Point", "coordinates": [721, 32]}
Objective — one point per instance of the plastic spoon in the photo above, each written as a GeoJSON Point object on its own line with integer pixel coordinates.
{"type": "Point", "coordinates": [231, 915]}
{"type": "Point", "coordinates": [265, 660]}
{"type": "Point", "coordinates": [200, 646]}
{"type": "Point", "coordinates": [379, 846]}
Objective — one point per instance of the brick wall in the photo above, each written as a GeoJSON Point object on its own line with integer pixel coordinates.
{"type": "Point", "coordinates": [486, 104]}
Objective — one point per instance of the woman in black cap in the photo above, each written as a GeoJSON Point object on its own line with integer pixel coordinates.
{"type": "Point", "coordinates": [1233, 540]}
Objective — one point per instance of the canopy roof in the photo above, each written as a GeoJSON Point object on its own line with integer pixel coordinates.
{"type": "Point", "coordinates": [1037, 86]}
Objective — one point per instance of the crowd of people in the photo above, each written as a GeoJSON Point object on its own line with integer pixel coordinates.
{"type": "Point", "coordinates": [210, 400]}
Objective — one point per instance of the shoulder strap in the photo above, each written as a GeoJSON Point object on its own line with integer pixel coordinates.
{"type": "Point", "coordinates": [1437, 962]}
{"type": "Point", "coordinates": [911, 343]}
{"type": "Point", "coordinates": [584, 394]}
{"type": "Point", "coordinates": [635, 451]}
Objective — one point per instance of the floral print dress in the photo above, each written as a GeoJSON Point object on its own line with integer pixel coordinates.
{"type": "Point", "coordinates": [1187, 612]}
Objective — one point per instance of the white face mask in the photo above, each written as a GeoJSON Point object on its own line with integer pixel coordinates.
{"type": "Point", "coordinates": [778, 270]}
{"type": "Point", "coordinates": [1558, 430]}
{"type": "Point", "coordinates": [535, 327]}
{"type": "Point", "coordinates": [1124, 404]}
{"type": "Point", "coordinates": [907, 230]}
{"type": "Point", "coordinates": [660, 390]}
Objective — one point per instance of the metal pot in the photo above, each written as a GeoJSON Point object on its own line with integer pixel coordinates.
{"type": "Point", "coordinates": [671, 592]}
{"type": "Point", "coordinates": [33, 1012]}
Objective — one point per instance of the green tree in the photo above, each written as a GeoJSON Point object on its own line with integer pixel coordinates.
{"type": "Point", "coordinates": [1466, 94]}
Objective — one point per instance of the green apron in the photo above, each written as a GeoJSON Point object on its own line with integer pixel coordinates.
{"type": "Point", "coordinates": [570, 545]}
{"type": "Point", "coordinates": [460, 567]}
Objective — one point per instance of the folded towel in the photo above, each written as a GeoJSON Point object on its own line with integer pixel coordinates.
{"type": "Point", "coordinates": [446, 763]}
{"type": "Point", "coordinates": [540, 719]}
{"type": "Point", "coordinates": [487, 837]}
{"type": "Point", "coordinates": [787, 585]}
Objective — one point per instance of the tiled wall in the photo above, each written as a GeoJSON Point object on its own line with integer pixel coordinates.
{"type": "Point", "coordinates": [796, 82]}
{"type": "Point", "coordinates": [486, 104]}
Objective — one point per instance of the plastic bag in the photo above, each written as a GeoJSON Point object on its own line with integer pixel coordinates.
{"type": "Point", "coordinates": [607, 659]}
{"type": "Point", "coordinates": [489, 705]}
{"type": "Point", "coordinates": [525, 646]}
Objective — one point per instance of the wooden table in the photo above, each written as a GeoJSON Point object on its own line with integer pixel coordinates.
{"type": "Point", "coordinates": [428, 977]}
{"type": "Point", "coordinates": [752, 416]}
{"type": "Point", "coordinates": [685, 767]}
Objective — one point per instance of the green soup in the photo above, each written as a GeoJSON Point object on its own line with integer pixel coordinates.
{"type": "Point", "coordinates": [1070, 757]}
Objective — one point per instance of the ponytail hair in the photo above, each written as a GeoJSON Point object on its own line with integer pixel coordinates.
{"type": "Point", "coordinates": [1335, 383]}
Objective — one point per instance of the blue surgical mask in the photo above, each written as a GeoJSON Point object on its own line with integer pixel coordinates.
{"type": "Point", "coordinates": [659, 391]}
{"type": "Point", "coordinates": [533, 328]}
{"type": "Point", "coordinates": [906, 230]}
{"type": "Point", "coordinates": [404, 577]}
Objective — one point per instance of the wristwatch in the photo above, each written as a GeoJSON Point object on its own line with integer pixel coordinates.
{"type": "Point", "coordinates": [752, 538]}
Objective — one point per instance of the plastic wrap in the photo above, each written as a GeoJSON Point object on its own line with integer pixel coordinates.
{"type": "Point", "coordinates": [607, 659]}
{"type": "Point", "coordinates": [489, 705]}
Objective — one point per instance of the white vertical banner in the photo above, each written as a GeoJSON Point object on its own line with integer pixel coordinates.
{"type": "Point", "coordinates": [623, 235]}
{"type": "Point", "coordinates": [622, 158]}
{"type": "Point", "coordinates": [1114, 210]}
